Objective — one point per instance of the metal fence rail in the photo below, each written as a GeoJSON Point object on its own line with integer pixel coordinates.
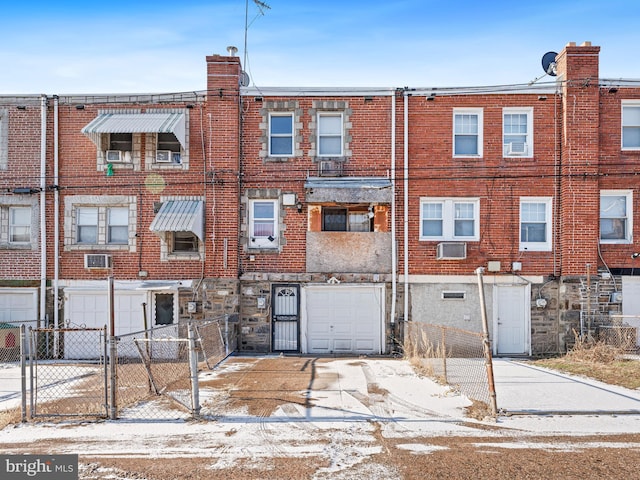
{"type": "Point", "coordinates": [454, 356]}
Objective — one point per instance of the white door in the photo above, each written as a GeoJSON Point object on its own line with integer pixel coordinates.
{"type": "Point", "coordinates": [91, 310]}
{"type": "Point", "coordinates": [19, 305]}
{"type": "Point", "coordinates": [512, 320]}
{"type": "Point", "coordinates": [343, 319]}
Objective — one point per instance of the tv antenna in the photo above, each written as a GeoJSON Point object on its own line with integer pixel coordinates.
{"type": "Point", "coordinates": [261, 10]}
{"type": "Point", "coordinates": [548, 65]}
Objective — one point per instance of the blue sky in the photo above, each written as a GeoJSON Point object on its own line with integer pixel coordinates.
{"type": "Point", "coordinates": [141, 46]}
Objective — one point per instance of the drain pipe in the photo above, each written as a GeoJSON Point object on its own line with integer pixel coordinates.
{"type": "Point", "coordinates": [43, 211]}
{"type": "Point", "coordinates": [406, 205]}
{"type": "Point", "coordinates": [56, 216]}
{"type": "Point", "coordinates": [394, 247]}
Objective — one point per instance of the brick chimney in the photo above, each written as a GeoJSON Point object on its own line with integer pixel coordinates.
{"type": "Point", "coordinates": [223, 159]}
{"type": "Point", "coordinates": [577, 74]}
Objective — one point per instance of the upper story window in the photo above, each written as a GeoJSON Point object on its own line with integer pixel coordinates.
{"type": "Point", "coordinates": [20, 225]}
{"type": "Point", "coordinates": [346, 220]}
{"type": "Point", "coordinates": [467, 132]}
{"type": "Point", "coordinates": [616, 219]}
{"type": "Point", "coordinates": [120, 147]}
{"type": "Point", "coordinates": [184, 242]}
{"type": "Point", "coordinates": [263, 223]}
{"type": "Point", "coordinates": [517, 132]}
{"type": "Point", "coordinates": [631, 125]}
{"type": "Point", "coordinates": [449, 218]}
{"type": "Point", "coordinates": [168, 148]}
{"type": "Point", "coordinates": [107, 222]}
{"type": "Point", "coordinates": [281, 134]}
{"type": "Point", "coordinates": [535, 223]}
{"type": "Point", "coordinates": [330, 134]}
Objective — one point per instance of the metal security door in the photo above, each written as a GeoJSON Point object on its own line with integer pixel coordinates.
{"type": "Point", "coordinates": [286, 318]}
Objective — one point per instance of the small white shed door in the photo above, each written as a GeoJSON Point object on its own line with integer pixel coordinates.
{"type": "Point", "coordinates": [344, 319]}
{"type": "Point", "coordinates": [512, 320]}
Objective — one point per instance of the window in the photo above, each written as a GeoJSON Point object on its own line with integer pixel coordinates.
{"type": "Point", "coordinates": [449, 218]}
{"type": "Point", "coordinates": [118, 225]}
{"type": "Point", "coordinates": [615, 216]}
{"type": "Point", "coordinates": [330, 135]}
{"type": "Point", "coordinates": [121, 141]}
{"type": "Point", "coordinates": [346, 220]}
{"type": "Point", "coordinates": [87, 225]}
{"type": "Point", "coordinates": [281, 134]}
{"type": "Point", "coordinates": [164, 308]}
{"type": "Point", "coordinates": [262, 224]}
{"type": "Point", "coordinates": [631, 126]}
{"type": "Point", "coordinates": [168, 148]}
{"type": "Point", "coordinates": [535, 224]}
{"type": "Point", "coordinates": [467, 132]}
{"type": "Point", "coordinates": [19, 225]}
{"type": "Point", "coordinates": [185, 242]}
{"type": "Point", "coordinates": [517, 132]}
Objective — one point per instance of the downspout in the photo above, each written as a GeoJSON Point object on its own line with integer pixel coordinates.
{"type": "Point", "coordinates": [394, 247]}
{"type": "Point", "coordinates": [56, 215]}
{"type": "Point", "coordinates": [43, 212]}
{"type": "Point", "coordinates": [406, 205]}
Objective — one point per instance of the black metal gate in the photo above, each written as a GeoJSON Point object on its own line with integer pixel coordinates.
{"type": "Point", "coordinates": [286, 318]}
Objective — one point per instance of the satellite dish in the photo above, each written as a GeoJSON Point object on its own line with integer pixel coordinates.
{"type": "Point", "coordinates": [244, 79]}
{"type": "Point", "coordinates": [549, 63]}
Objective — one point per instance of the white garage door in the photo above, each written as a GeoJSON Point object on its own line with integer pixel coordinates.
{"type": "Point", "coordinates": [18, 304]}
{"type": "Point", "coordinates": [344, 319]}
{"type": "Point", "coordinates": [91, 310]}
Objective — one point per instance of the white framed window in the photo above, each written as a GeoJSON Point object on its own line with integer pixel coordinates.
{"type": "Point", "coordinates": [517, 132]}
{"type": "Point", "coordinates": [467, 132]}
{"type": "Point", "coordinates": [263, 223]}
{"type": "Point", "coordinates": [280, 134]}
{"type": "Point", "coordinates": [184, 242]}
{"type": "Point", "coordinates": [168, 148]}
{"type": "Point", "coordinates": [118, 225]}
{"type": "Point", "coordinates": [87, 225]}
{"type": "Point", "coordinates": [631, 125]}
{"type": "Point", "coordinates": [449, 218]}
{"type": "Point", "coordinates": [20, 225]}
{"type": "Point", "coordinates": [330, 134]}
{"type": "Point", "coordinates": [616, 219]}
{"type": "Point", "coordinates": [535, 223]}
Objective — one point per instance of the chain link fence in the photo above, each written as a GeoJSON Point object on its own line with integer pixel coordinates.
{"type": "Point", "coordinates": [452, 356]}
{"type": "Point", "coordinates": [81, 372]}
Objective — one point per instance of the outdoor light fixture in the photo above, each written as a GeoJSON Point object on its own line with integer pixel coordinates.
{"type": "Point", "coordinates": [635, 255]}
{"type": "Point", "coordinates": [79, 107]}
{"type": "Point", "coordinates": [299, 206]}
{"type": "Point", "coordinates": [21, 107]}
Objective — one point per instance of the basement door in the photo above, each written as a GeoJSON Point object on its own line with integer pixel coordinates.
{"type": "Point", "coordinates": [286, 318]}
{"type": "Point", "coordinates": [343, 319]}
{"type": "Point", "coordinates": [512, 320]}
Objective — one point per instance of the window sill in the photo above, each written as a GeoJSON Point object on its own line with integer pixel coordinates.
{"type": "Point", "coordinates": [184, 256]}
{"type": "Point", "coordinates": [276, 159]}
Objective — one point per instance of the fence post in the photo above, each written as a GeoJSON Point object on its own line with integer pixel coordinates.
{"type": "Point", "coordinates": [193, 368]}
{"type": "Point", "coordinates": [226, 334]}
{"type": "Point", "coordinates": [32, 352]}
{"type": "Point", "coordinates": [23, 371]}
{"type": "Point", "coordinates": [486, 344]}
{"type": "Point", "coordinates": [113, 352]}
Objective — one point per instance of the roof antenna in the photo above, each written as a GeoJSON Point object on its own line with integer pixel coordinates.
{"type": "Point", "coordinates": [548, 65]}
{"type": "Point", "coordinates": [261, 7]}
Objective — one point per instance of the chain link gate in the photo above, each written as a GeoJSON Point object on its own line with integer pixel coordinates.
{"type": "Point", "coordinates": [68, 372]}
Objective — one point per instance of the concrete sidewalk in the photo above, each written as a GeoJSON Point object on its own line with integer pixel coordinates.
{"type": "Point", "coordinates": [522, 388]}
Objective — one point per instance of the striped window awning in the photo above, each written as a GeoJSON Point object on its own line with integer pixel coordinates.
{"type": "Point", "coordinates": [137, 123]}
{"type": "Point", "coordinates": [180, 216]}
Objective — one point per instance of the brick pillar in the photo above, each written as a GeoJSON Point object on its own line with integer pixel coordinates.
{"type": "Point", "coordinates": [222, 158]}
{"type": "Point", "coordinates": [577, 69]}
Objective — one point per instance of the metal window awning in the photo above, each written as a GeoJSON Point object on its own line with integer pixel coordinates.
{"type": "Point", "coordinates": [348, 190]}
{"type": "Point", "coordinates": [180, 216]}
{"type": "Point", "coordinates": [137, 123]}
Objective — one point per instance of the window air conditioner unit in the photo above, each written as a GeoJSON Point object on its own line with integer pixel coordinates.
{"type": "Point", "coordinates": [114, 155]}
{"type": "Point", "coordinates": [517, 148]}
{"type": "Point", "coordinates": [451, 251]}
{"type": "Point", "coordinates": [98, 260]}
{"type": "Point", "coordinates": [330, 168]}
{"type": "Point", "coordinates": [164, 156]}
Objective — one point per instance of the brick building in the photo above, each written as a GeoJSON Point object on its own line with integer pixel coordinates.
{"type": "Point", "coordinates": [319, 220]}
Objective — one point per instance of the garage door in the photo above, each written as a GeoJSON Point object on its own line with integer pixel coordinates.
{"type": "Point", "coordinates": [17, 304]}
{"type": "Point", "coordinates": [344, 319]}
{"type": "Point", "coordinates": [91, 310]}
